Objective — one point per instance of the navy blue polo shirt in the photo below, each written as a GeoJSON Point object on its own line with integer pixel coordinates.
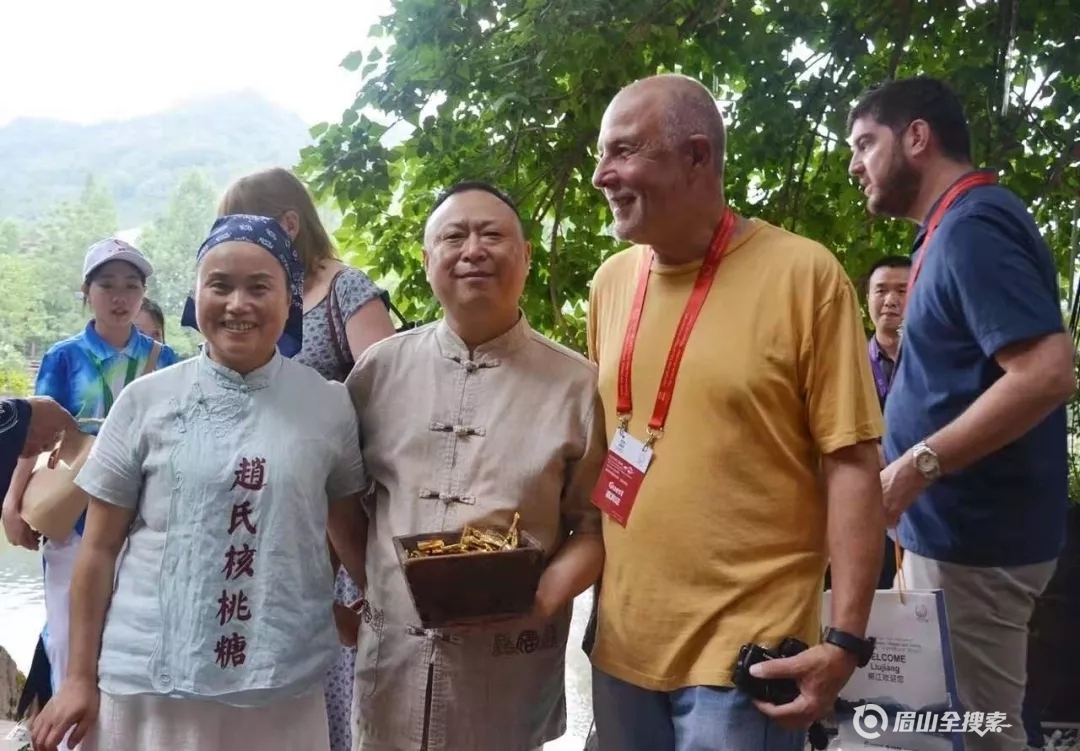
{"type": "Point", "coordinates": [988, 281]}
{"type": "Point", "coordinates": [14, 427]}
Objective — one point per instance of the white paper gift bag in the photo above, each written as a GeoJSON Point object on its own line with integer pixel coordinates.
{"type": "Point", "coordinates": [906, 697]}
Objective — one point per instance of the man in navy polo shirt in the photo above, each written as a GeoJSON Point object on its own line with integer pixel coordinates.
{"type": "Point", "coordinates": [975, 420]}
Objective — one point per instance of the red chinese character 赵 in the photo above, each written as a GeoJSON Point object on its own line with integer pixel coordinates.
{"type": "Point", "coordinates": [233, 606]}
{"type": "Point", "coordinates": [230, 650]}
{"type": "Point", "coordinates": [239, 562]}
{"type": "Point", "coordinates": [241, 516]}
{"type": "Point", "coordinates": [251, 474]}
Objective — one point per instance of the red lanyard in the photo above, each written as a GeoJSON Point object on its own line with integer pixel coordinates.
{"type": "Point", "coordinates": [959, 188]}
{"type": "Point", "coordinates": [625, 405]}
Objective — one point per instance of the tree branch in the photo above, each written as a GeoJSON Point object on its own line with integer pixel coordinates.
{"type": "Point", "coordinates": [1057, 174]}
{"type": "Point", "coordinates": [1010, 41]}
{"type": "Point", "coordinates": [553, 252]}
{"type": "Point", "coordinates": [789, 186]}
{"type": "Point", "coordinates": [812, 141]}
{"type": "Point", "coordinates": [900, 39]}
{"type": "Point", "coordinates": [1035, 97]}
{"type": "Point", "coordinates": [543, 204]}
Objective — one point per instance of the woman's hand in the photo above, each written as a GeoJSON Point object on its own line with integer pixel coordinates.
{"type": "Point", "coordinates": [75, 706]}
{"type": "Point", "coordinates": [347, 621]}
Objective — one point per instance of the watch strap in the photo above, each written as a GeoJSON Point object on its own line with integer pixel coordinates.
{"type": "Point", "coordinates": [863, 649]}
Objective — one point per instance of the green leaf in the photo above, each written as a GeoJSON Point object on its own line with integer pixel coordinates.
{"type": "Point", "coordinates": [353, 60]}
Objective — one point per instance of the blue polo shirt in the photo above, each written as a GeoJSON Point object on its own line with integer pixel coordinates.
{"type": "Point", "coordinates": [988, 281]}
{"type": "Point", "coordinates": [85, 374]}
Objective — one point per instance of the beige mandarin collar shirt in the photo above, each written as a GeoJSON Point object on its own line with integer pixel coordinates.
{"type": "Point", "coordinates": [452, 439]}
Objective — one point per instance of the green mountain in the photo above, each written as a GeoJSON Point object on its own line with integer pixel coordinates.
{"type": "Point", "coordinates": [142, 160]}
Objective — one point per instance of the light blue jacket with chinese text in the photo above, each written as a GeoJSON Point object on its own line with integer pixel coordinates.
{"type": "Point", "coordinates": [225, 590]}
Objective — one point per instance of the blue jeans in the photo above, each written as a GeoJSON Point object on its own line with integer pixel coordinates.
{"type": "Point", "coordinates": [699, 718]}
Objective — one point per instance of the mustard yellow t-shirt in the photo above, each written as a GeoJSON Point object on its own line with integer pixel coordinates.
{"type": "Point", "coordinates": [725, 543]}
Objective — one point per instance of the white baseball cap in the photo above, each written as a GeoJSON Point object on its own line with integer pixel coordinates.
{"type": "Point", "coordinates": [112, 249]}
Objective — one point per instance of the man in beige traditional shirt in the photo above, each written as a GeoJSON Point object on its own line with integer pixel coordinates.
{"type": "Point", "coordinates": [466, 421]}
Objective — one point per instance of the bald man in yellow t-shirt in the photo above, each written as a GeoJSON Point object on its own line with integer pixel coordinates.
{"type": "Point", "coordinates": [766, 466]}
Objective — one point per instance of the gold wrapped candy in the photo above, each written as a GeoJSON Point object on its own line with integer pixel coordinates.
{"type": "Point", "coordinates": [472, 540]}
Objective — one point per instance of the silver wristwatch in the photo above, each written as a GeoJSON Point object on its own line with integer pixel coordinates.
{"type": "Point", "coordinates": [926, 461]}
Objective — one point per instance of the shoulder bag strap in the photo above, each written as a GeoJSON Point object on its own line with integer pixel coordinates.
{"type": "Point", "coordinates": [151, 361]}
{"type": "Point", "coordinates": [333, 309]}
{"type": "Point", "coordinates": [406, 324]}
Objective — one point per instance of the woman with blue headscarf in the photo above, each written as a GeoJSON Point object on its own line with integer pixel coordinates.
{"type": "Point", "coordinates": [222, 475]}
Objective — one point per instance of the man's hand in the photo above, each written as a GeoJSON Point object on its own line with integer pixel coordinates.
{"type": "Point", "coordinates": [48, 423]}
{"type": "Point", "coordinates": [549, 593]}
{"type": "Point", "coordinates": [819, 672]}
{"type": "Point", "coordinates": [544, 607]}
{"type": "Point", "coordinates": [901, 484]}
{"type": "Point", "coordinates": [573, 569]}
{"type": "Point", "coordinates": [18, 532]}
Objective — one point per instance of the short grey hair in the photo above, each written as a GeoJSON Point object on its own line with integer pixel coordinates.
{"type": "Point", "coordinates": [691, 110]}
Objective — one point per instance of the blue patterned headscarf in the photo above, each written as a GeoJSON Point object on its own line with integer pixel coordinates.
{"type": "Point", "coordinates": [266, 233]}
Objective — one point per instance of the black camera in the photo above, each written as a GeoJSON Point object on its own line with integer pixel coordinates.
{"type": "Point", "coordinates": [770, 690]}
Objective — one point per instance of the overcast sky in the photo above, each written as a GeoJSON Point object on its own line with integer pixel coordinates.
{"type": "Point", "coordinates": [104, 60]}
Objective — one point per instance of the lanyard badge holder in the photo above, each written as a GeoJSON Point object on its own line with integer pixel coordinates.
{"type": "Point", "coordinates": [958, 189]}
{"type": "Point", "coordinates": [628, 459]}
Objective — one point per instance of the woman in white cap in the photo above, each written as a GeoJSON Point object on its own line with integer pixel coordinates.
{"type": "Point", "coordinates": [85, 374]}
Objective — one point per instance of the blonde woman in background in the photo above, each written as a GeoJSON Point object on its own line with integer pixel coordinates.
{"type": "Point", "coordinates": [344, 313]}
